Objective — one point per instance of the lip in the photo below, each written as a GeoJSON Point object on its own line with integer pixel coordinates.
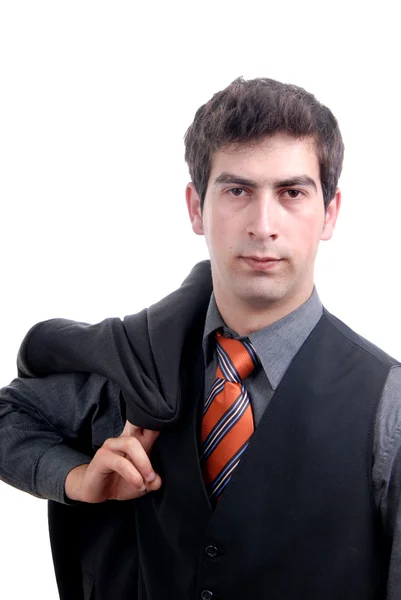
{"type": "Point", "coordinates": [261, 258]}
{"type": "Point", "coordinates": [261, 263]}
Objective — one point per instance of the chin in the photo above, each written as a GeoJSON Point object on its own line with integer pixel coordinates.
{"type": "Point", "coordinates": [259, 296]}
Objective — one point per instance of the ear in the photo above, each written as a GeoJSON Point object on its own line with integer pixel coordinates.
{"type": "Point", "coordinates": [331, 216]}
{"type": "Point", "coordinates": [194, 210]}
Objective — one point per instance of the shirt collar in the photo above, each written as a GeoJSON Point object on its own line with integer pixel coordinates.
{"type": "Point", "coordinates": [277, 344]}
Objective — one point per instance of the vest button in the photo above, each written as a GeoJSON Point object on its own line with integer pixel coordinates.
{"type": "Point", "coordinates": [211, 551]}
{"type": "Point", "coordinates": [207, 595]}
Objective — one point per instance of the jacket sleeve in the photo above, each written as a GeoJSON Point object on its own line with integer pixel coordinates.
{"type": "Point", "coordinates": [141, 354]}
{"type": "Point", "coordinates": [49, 426]}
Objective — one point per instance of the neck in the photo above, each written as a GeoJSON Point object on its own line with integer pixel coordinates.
{"type": "Point", "coordinates": [245, 319]}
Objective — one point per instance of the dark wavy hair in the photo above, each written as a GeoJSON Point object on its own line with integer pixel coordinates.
{"type": "Point", "coordinates": [248, 111]}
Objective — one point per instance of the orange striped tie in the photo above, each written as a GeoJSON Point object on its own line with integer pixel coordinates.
{"type": "Point", "coordinates": [227, 421]}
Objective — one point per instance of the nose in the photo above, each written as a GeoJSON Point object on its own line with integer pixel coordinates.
{"type": "Point", "coordinates": [263, 217]}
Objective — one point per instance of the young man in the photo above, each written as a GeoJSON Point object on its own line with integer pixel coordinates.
{"type": "Point", "coordinates": [276, 471]}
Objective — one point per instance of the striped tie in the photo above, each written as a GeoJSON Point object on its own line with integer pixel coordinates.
{"type": "Point", "coordinates": [227, 422]}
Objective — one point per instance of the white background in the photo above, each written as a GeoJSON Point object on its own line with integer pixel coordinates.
{"type": "Point", "coordinates": [95, 99]}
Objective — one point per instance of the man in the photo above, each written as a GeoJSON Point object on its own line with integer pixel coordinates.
{"type": "Point", "coordinates": [275, 474]}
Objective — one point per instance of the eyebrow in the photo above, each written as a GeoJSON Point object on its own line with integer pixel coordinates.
{"type": "Point", "coordinates": [231, 178]}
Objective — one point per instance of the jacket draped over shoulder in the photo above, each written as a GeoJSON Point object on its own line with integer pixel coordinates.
{"type": "Point", "coordinates": [141, 353]}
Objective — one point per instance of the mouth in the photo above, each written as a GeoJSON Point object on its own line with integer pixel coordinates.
{"type": "Point", "coordinates": [261, 258]}
{"type": "Point", "coordinates": [261, 263]}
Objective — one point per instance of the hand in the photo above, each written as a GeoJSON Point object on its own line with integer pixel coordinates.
{"type": "Point", "coordinates": [120, 469]}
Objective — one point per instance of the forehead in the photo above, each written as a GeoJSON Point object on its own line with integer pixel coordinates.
{"type": "Point", "coordinates": [280, 155]}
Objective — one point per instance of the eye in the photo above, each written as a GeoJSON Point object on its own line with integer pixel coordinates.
{"type": "Point", "coordinates": [293, 194]}
{"type": "Point", "coordinates": [237, 192]}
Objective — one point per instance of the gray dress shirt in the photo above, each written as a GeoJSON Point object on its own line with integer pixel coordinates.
{"type": "Point", "coordinates": [276, 346]}
{"type": "Point", "coordinates": [37, 416]}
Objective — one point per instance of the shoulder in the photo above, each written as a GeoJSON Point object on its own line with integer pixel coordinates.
{"type": "Point", "coordinates": [357, 341]}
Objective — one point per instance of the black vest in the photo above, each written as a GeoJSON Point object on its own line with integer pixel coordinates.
{"type": "Point", "coordinates": [297, 520]}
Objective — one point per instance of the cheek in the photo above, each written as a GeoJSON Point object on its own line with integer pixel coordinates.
{"type": "Point", "coordinates": [310, 238]}
{"type": "Point", "coordinates": [221, 238]}
{"type": "Point", "coordinates": [302, 236]}
{"type": "Point", "coordinates": [311, 225]}
{"type": "Point", "coordinates": [223, 227]}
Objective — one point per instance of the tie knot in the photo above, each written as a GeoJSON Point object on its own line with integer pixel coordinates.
{"type": "Point", "coordinates": [237, 359]}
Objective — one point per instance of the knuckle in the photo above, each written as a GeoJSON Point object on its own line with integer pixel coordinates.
{"type": "Point", "coordinates": [133, 447]}
{"type": "Point", "coordinates": [121, 463]}
{"type": "Point", "coordinates": [132, 442]}
{"type": "Point", "coordinates": [103, 450]}
{"type": "Point", "coordinates": [108, 443]}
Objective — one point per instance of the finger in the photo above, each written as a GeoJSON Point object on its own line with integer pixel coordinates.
{"type": "Point", "coordinates": [135, 453]}
{"type": "Point", "coordinates": [106, 461]}
{"type": "Point", "coordinates": [147, 438]}
{"type": "Point", "coordinates": [130, 429]}
{"type": "Point", "coordinates": [154, 485]}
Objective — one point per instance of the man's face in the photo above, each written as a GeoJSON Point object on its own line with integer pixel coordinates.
{"type": "Point", "coordinates": [263, 218]}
